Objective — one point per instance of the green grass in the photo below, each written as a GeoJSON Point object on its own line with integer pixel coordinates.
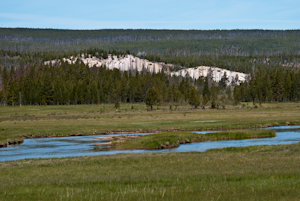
{"type": "Point", "coordinates": [245, 173]}
{"type": "Point", "coordinates": [269, 173]}
{"type": "Point", "coordinates": [174, 139]}
{"type": "Point", "coordinates": [239, 134]}
{"type": "Point", "coordinates": [64, 120]}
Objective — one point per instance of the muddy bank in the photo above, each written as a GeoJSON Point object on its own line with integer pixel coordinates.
{"type": "Point", "coordinates": [54, 135]}
{"type": "Point", "coordinates": [160, 130]}
{"type": "Point", "coordinates": [115, 139]}
{"type": "Point", "coordinates": [11, 142]}
{"type": "Point", "coordinates": [197, 129]}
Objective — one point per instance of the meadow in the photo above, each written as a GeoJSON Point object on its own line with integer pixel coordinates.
{"type": "Point", "coordinates": [64, 120]}
{"type": "Point", "coordinates": [173, 139]}
{"type": "Point", "coordinates": [247, 173]}
{"type": "Point", "coordinates": [240, 173]}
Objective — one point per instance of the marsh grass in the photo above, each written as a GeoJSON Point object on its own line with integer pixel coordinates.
{"type": "Point", "coordinates": [64, 120]}
{"type": "Point", "coordinates": [174, 139]}
{"type": "Point", "coordinates": [240, 134]}
{"type": "Point", "coordinates": [267, 173]}
{"type": "Point", "coordinates": [244, 173]}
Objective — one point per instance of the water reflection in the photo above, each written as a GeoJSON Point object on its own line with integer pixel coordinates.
{"type": "Point", "coordinates": [84, 145]}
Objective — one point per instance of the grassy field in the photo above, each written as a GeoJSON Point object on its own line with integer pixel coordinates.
{"type": "Point", "coordinates": [165, 140]}
{"type": "Point", "coordinates": [87, 119]}
{"type": "Point", "coordinates": [247, 173]}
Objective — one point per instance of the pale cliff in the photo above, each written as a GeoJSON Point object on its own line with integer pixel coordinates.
{"type": "Point", "coordinates": [130, 62]}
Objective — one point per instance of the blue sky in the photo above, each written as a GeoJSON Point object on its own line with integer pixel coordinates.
{"type": "Point", "coordinates": [154, 14]}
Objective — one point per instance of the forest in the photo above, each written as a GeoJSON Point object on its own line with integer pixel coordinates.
{"type": "Point", "coordinates": [270, 57]}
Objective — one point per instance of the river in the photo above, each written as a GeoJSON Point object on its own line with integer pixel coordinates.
{"type": "Point", "coordinates": [84, 145]}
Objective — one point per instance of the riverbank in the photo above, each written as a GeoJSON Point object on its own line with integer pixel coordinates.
{"type": "Point", "coordinates": [17, 123]}
{"type": "Point", "coordinates": [264, 173]}
{"type": "Point", "coordinates": [168, 140]}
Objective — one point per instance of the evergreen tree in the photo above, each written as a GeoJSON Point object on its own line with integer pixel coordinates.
{"type": "Point", "coordinates": [223, 81]}
{"type": "Point", "coordinates": [205, 100]}
{"type": "Point", "coordinates": [152, 97]}
{"type": "Point", "coordinates": [194, 99]}
{"type": "Point", "coordinates": [206, 89]}
{"type": "Point", "coordinates": [12, 93]}
{"type": "Point", "coordinates": [117, 105]}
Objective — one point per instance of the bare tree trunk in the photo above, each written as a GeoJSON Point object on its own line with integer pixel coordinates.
{"type": "Point", "coordinates": [20, 98]}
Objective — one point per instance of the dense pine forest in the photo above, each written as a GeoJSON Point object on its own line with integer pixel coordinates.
{"type": "Point", "coordinates": [270, 57]}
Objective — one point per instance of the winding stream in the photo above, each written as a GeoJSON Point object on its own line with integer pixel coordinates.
{"type": "Point", "coordinates": [84, 145]}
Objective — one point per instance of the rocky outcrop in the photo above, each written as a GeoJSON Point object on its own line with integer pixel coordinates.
{"type": "Point", "coordinates": [214, 72]}
{"type": "Point", "coordinates": [130, 62]}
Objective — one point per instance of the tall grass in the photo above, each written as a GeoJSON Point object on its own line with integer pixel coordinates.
{"type": "Point", "coordinates": [174, 139]}
{"type": "Point", "coordinates": [272, 173]}
{"type": "Point", "coordinates": [87, 119]}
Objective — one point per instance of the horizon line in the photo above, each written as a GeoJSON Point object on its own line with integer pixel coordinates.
{"type": "Point", "coordinates": [154, 29]}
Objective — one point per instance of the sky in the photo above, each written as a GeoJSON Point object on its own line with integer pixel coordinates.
{"type": "Point", "coordinates": [151, 14]}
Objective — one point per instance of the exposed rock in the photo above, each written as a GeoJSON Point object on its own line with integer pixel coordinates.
{"type": "Point", "coordinates": [104, 144]}
{"type": "Point", "coordinates": [216, 73]}
{"type": "Point", "coordinates": [116, 139]}
{"type": "Point", "coordinates": [130, 62]}
{"type": "Point", "coordinates": [187, 141]}
{"type": "Point", "coordinates": [104, 138]}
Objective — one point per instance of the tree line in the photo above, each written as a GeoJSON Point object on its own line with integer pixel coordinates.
{"type": "Point", "coordinates": [281, 85]}
{"type": "Point", "coordinates": [78, 84]}
{"type": "Point", "coordinates": [159, 42]}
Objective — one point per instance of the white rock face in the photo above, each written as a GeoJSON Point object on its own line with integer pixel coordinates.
{"type": "Point", "coordinates": [216, 73]}
{"type": "Point", "coordinates": [130, 62]}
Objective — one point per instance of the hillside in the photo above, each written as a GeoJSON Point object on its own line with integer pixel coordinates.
{"type": "Point", "coordinates": [260, 66]}
{"type": "Point", "coordinates": [132, 63]}
{"type": "Point", "coordinates": [162, 42]}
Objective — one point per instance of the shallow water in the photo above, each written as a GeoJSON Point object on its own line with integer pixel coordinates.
{"type": "Point", "coordinates": [84, 145]}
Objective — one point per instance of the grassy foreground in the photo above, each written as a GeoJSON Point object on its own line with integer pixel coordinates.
{"type": "Point", "coordinates": [174, 139]}
{"type": "Point", "coordinates": [255, 173]}
{"type": "Point", "coordinates": [63, 120]}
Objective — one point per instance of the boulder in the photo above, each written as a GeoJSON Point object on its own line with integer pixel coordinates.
{"type": "Point", "coordinates": [187, 141]}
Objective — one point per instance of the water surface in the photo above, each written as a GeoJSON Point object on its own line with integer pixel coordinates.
{"type": "Point", "coordinates": [84, 145]}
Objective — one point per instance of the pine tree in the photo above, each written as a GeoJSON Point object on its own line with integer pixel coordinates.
{"type": "Point", "coordinates": [117, 104]}
{"type": "Point", "coordinates": [206, 89]}
{"type": "Point", "coordinates": [223, 81]}
{"type": "Point", "coordinates": [12, 93]}
{"type": "Point", "coordinates": [194, 99]}
{"type": "Point", "coordinates": [152, 97]}
{"type": "Point", "coordinates": [205, 100]}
